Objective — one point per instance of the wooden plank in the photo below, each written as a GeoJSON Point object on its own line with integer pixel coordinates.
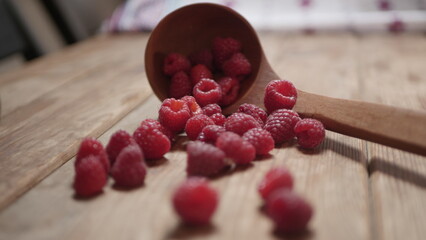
{"type": "Point", "coordinates": [333, 178]}
{"type": "Point", "coordinates": [44, 133]}
{"type": "Point", "coordinates": [394, 73]}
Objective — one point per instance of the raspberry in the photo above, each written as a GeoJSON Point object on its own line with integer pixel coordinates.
{"type": "Point", "coordinates": [280, 124]}
{"type": "Point", "coordinates": [309, 132]}
{"type": "Point", "coordinates": [207, 91]}
{"type": "Point", "coordinates": [195, 201]}
{"type": "Point", "coordinates": [218, 119]}
{"type": "Point", "coordinates": [236, 148]}
{"type": "Point", "coordinates": [261, 140]}
{"type": "Point", "coordinates": [90, 176]}
{"type": "Point", "coordinates": [180, 85]}
{"type": "Point", "coordinates": [290, 212]}
{"type": "Point", "coordinates": [90, 146]}
{"type": "Point", "coordinates": [193, 105]}
{"type": "Point", "coordinates": [175, 62]}
{"type": "Point", "coordinates": [230, 88]}
{"type": "Point", "coordinates": [275, 179]}
{"type": "Point", "coordinates": [195, 124]}
{"type": "Point", "coordinates": [280, 94]}
{"type": "Point", "coordinates": [204, 159]}
{"type": "Point", "coordinates": [210, 133]}
{"type": "Point", "coordinates": [173, 114]}
{"type": "Point", "coordinates": [258, 113]}
{"type": "Point", "coordinates": [204, 57]}
{"type": "Point", "coordinates": [129, 169]}
{"type": "Point", "coordinates": [211, 109]}
{"type": "Point", "coordinates": [199, 72]}
{"type": "Point", "coordinates": [223, 49]}
{"type": "Point", "coordinates": [152, 123]}
{"type": "Point", "coordinates": [117, 142]}
{"type": "Point", "coordinates": [153, 142]}
{"type": "Point", "coordinates": [237, 66]}
{"type": "Point", "coordinates": [240, 123]}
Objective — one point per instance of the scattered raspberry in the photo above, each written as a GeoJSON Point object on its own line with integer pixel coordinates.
{"type": "Point", "coordinates": [211, 109]}
{"type": "Point", "coordinates": [230, 88]}
{"type": "Point", "coordinates": [309, 132]}
{"type": "Point", "coordinates": [195, 124]}
{"type": "Point", "coordinates": [193, 105]}
{"type": "Point", "coordinates": [281, 124]}
{"type": "Point", "coordinates": [204, 159]}
{"type": "Point", "coordinates": [258, 113]}
{"type": "Point", "coordinates": [152, 123]}
{"type": "Point", "coordinates": [240, 123]}
{"type": "Point", "coordinates": [90, 146]}
{"type": "Point", "coordinates": [204, 57]}
{"type": "Point", "coordinates": [275, 179]}
{"type": "Point", "coordinates": [195, 201]}
{"type": "Point", "coordinates": [173, 114]}
{"type": "Point", "coordinates": [280, 94]}
{"type": "Point", "coordinates": [207, 91]}
{"type": "Point", "coordinates": [129, 169]}
{"type": "Point", "coordinates": [117, 142]}
{"type": "Point", "coordinates": [210, 133]}
{"type": "Point", "coordinates": [237, 66]}
{"type": "Point", "coordinates": [218, 119]}
{"type": "Point", "coordinates": [199, 72]}
{"type": "Point", "coordinates": [261, 140]}
{"type": "Point", "coordinates": [90, 176]}
{"type": "Point", "coordinates": [236, 148]}
{"type": "Point", "coordinates": [152, 141]}
{"type": "Point", "coordinates": [180, 85]}
{"type": "Point", "coordinates": [223, 49]}
{"type": "Point", "coordinates": [175, 62]}
{"type": "Point", "coordinates": [290, 212]}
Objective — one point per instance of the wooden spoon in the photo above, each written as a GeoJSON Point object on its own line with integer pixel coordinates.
{"type": "Point", "coordinates": [194, 26]}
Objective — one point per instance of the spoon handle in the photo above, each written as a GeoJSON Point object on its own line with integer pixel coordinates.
{"type": "Point", "coordinates": [396, 127]}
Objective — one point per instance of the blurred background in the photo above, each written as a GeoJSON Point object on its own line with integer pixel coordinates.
{"type": "Point", "coordinates": [32, 28]}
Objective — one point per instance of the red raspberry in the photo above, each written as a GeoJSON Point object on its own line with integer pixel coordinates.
{"type": "Point", "coordinates": [230, 88]}
{"type": "Point", "coordinates": [173, 114]}
{"type": "Point", "coordinates": [236, 148]}
{"type": "Point", "coordinates": [195, 201]}
{"type": "Point", "coordinates": [223, 49]}
{"type": "Point", "coordinates": [275, 179]}
{"type": "Point", "coordinates": [207, 91]}
{"type": "Point", "coordinates": [193, 105]}
{"type": "Point", "coordinates": [258, 113]}
{"type": "Point", "coordinates": [90, 146]}
{"type": "Point", "coordinates": [153, 142]}
{"type": "Point", "coordinates": [290, 212]}
{"type": "Point", "coordinates": [240, 123]}
{"type": "Point", "coordinates": [281, 124]}
{"type": "Point", "coordinates": [309, 132]}
{"type": "Point", "coordinates": [90, 176]}
{"type": "Point", "coordinates": [261, 140]}
{"type": "Point", "coordinates": [117, 142]}
{"type": "Point", "coordinates": [210, 133]}
{"type": "Point", "coordinates": [195, 124]}
{"type": "Point", "coordinates": [237, 66]}
{"type": "Point", "coordinates": [129, 169]}
{"type": "Point", "coordinates": [211, 109]}
{"type": "Point", "coordinates": [199, 72]}
{"type": "Point", "coordinates": [218, 119]}
{"type": "Point", "coordinates": [175, 62]}
{"type": "Point", "coordinates": [180, 85]}
{"type": "Point", "coordinates": [204, 159]}
{"type": "Point", "coordinates": [152, 123]}
{"type": "Point", "coordinates": [280, 94]}
{"type": "Point", "coordinates": [204, 57]}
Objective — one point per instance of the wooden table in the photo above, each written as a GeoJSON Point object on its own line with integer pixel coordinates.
{"type": "Point", "coordinates": [359, 190]}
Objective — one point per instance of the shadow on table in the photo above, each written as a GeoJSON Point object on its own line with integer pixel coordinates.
{"type": "Point", "coordinates": [183, 231]}
{"type": "Point", "coordinates": [305, 235]}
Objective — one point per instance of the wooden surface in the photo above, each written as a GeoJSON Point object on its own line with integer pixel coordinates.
{"type": "Point", "coordinates": [359, 190]}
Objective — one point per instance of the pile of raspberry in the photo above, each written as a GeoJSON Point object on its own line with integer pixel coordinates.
{"type": "Point", "coordinates": [211, 75]}
{"type": "Point", "coordinates": [217, 143]}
